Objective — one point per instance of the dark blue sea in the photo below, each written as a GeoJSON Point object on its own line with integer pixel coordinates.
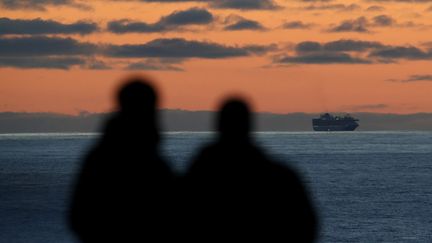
{"type": "Point", "coordinates": [367, 186]}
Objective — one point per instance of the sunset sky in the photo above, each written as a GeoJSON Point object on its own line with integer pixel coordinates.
{"type": "Point", "coordinates": [69, 56]}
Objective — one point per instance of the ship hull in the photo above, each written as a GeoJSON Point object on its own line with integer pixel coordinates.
{"type": "Point", "coordinates": [336, 126]}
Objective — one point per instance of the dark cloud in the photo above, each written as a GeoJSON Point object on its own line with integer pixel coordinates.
{"type": "Point", "coordinates": [427, 45]}
{"type": "Point", "coordinates": [260, 49]}
{"type": "Point", "coordinates": [42, 62]}
{"type": "Point", "coordinates": [240, 23]}
{"type": "Point", "coordinates": [48, 52]}
{"type": "Point", "coordinates": [95, 64]}
{"type": "Point", "coordinates": [127, 26]}
{"type": "Point", "coordinates": [175, 21]}
{"type": "Point", "coordinates": [383, 20]}
{"type": "Point", "coordinates": [352, 45]}
{"type": "Point", "coordinates": [39, 5]}
{"type": "Point", "coordinates": [168, 54]}
{"type": "Point", "coordinates": [154, 64]}
{"type": "Point", "coordinates": [231, 4]}
{"type": "Point", "coordinates": [316, 1]}
{"type": "Point", "coordinates": [411, 24]}
{"type": "Point", "coordinates": [245, 4]}
{"type": "Point", "coordinates": [374, 51]}
{"type": "Point", "coordinates": [187, 17]}
{"type": "Point", "coordinates": [357, 108]}
{"type": "Point", "coordinates": [62, 53]}
{"type": "Point", "coordinates": [355, 25]}
{"type": "Point", "coordinates": [308, 46]}
{"type": "Point", "coordinates": [401, 52]}
{"type": "Point", "coordinates": [296, 25]}
{"type": "Point", "coordinates": [363, 25]}
{"type": "Point", "coordinates": [337, 7]}
{"type": "Point", "coordinates": [321, 58]}
{"type": "Point", "coordinates": [343, 45]}
{"type": "Point", "coordinates": [414, 78]}
{"type": "Point", "coordinates": [352, 52]}
{"type": "Point", "coordinates": [63, 63]}
{"type": "Point", "coordinates": [177, 48]}
{"type": "Point", "coordinates": [44, 46]}
{"type": "Point", "coordinates": [166, 1]}
{"type": "Point", "coordinates": [375, 8]}
{"type": "Point", "coordinates": [400, 1]}
{"type": "Point", "coordinates": [311, 52]}
{"type": "Point", "coordinates": [39, 26]}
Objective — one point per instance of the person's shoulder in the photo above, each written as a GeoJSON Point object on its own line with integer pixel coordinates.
{"type": "Point", "coordinates": [282, 170]}
{"type": "Point", "coordinates": [204, 157]}
{"type": "Point", "coordinates": [209, 149]}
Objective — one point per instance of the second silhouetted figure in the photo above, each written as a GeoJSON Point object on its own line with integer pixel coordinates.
{"type": "Point", "coordinates": [233, 191]}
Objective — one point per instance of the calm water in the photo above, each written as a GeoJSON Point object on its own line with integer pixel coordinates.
{"type": "Point", "coordinates": [368, 186]}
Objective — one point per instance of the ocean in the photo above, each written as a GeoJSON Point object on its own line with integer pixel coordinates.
{"type": "Point", "coordinates": [367, 186]}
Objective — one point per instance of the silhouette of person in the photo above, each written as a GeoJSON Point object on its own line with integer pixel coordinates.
{"type": "Point", "coordinates": [124, 187]}
{"type": "Point", "coordinates": [233, 191]}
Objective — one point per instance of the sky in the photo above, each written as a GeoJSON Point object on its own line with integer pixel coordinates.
{"type": "Point", "coordinates": [70, 56]}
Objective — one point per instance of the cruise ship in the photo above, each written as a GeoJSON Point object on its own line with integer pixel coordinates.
{"type": "Point", "coordinates": [328, 122]}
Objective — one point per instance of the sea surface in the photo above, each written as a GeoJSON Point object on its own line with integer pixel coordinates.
{"type": "Point", "coordinates": [367, 186]}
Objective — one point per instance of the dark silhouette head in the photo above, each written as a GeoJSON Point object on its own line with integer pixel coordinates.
{"type": "Point", "coordinates": [234, 121]}
{"type": "Point", "coordinates": [136, 122]}
{"type": "Point", "coordinates": [137, 96]}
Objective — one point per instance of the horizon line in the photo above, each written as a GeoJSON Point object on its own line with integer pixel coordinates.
{"type": "Point", "coordinates": [88, 113]}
